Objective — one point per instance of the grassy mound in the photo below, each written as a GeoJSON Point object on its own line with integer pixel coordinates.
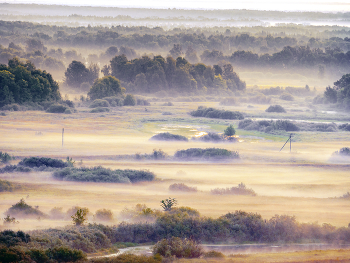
{"type": "Point", "coordinates": [241, 189]}
{"type": "Point", "coordinates": [181, 187]}
{"type": "Point", "coordinates": [275, 108]}
{"type": "Point", "coordinates": [217, 114]}
{"type": "Point", "coordinates": [206, 154]}
{"type": "Point", "coordinates": [23, 210]}
{"type": "Point", "coordinates": [166, 136]}
{"type": "Point", "coordinates": [100, 174]}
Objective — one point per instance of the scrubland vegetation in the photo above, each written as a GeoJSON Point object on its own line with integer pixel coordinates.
{"type": "Point", "coordinates": [143, 108]}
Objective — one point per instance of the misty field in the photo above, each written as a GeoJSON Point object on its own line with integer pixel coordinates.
{"type": "Point", "coordinates": [305, 183]}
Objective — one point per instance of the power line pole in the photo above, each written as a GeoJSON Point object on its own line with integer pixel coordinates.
{"type": "Point", "coordinates": [290, 143]}
{"type": "Point", "coordinates": [62, 135]}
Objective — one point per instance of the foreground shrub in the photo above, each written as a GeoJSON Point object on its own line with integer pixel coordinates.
{"type": "Point", "coordinates": [180, 248]}
{"type": "Point", "coordinates": [57, 108]}
{"type": "Point", "coordinates": [181, 187]}
{"type": "Point", "coordinates": [166, 136]}
{"type": "Point", "coordinates": [100, 174]}
{"type": "Point", "coordinates": [10, 238]}
{"type": "Point", "coordinates": [23, 210]}
{"type": "Point", "coordinates": [275, 108]}
{"type": "Point", "coordinates": [43, 161]}
{"type": "Point", "coordinates": [206, 154]}
{"type": "Point", "coordinates": [66, 254]}
{"type": "Point", "coordinates": [99, 103]}
{"type": "Point", "coordinates": [97, 110]}
{"type": "Point", "coordinates": [217, 114]}
{"type": "Point", "coordinates": [241, 189]}
{"type": "Point", "coordinates": [128, 258]}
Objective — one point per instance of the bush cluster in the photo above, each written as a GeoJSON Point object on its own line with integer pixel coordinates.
{"type": "Point", "coordinates": [6, 186]}
{"type": "Point", "coordinates": [43, 161]}
{"type": "Point", "coordinates": [267, 126]}
{"type": "Point", "coordinates": [5, 157]}
{"type": "Point", "coordinates": [206, 154]}
{"type": "Point", "coordinates": [15, 168]}
{"type": "Point", "coordinates": [241, 189]}
{"type": "Point", "coordinates": [99, 103]}
{"type": "Point", "coordinates": [166, 136]}
{"type": "Point", "coordinates": [345, 127]}
{"type": "Point", "coordinates": [100, 174]}
{"type": "Point", "coordinates": [214, 137]}
{"type": "Point", "coordinates": [217, 114]}
{"type": "Point", "coordinates": [343, 152]}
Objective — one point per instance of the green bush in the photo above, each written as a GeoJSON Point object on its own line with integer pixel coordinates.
{"type": "Point", "coordinates": [275, 108]}
{"type": "Point", "coordinates": [43, 161]}
{"type": "Point", "coordinates": [99, 103]}
{"type": "Point", "coordinates": [100, 174]}
{"type": "Point", "coordinates": [66, 254]}
{"type": "Point", "coordinates": [269, 126]}
{"type": "Point", "coordinates": [23, 210]}
{"type": "Point", "coordinates": [129, 100]}
{"type": "Point", "coordinates": [97, 110]}
{"type": "Point", "coordinates": [57, 108]}
{"type": "Point", "coordinates": [217, 114]}
{"type": "Point", "coordinates": [230, 131]}
{"type": "Point", "coordinates": [10, 238]}
{"type": "Point", "coordinates": [181, 187]}
{"type": "Point", "coordinates": [15, 168]}
{"type": "Point", "coordinates": [206, 154]}
{"type": "Point", "coordinates": [166, 136]}
{"type": "Point", "coordinates": [180, 248]}
{"type": "Point", "coordinates": [115, 101]}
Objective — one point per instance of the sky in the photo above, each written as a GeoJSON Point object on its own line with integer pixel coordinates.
{"type": "Point", "coordinates": [281, 5]}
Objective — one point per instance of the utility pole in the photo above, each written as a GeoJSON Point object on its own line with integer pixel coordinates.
{"type": "Point", "coordinates": [62, 135]}
{"type": "Point", "coordinates": [290, 143]}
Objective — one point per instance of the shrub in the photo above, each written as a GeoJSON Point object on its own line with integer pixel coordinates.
{"type": "Point", "coordinates": [344, 152]}
{"type": "Point", "coordinates": [104, 215]}
{"type": "Point", "coordinates": [129, 100]}
{"type": "Point", "coordinates": [99, 103]}
{"type": "Point", "coordinates": [10, 238]}
{"type": "Point", "coordinates": [155, 155]}
{"type": "Point", "coordinates": [100, 174]}
{"type": "Point", "coordinates": [217, 114]}
{"type": "Point", "coordinates": [287, 97]}
{"type": "Point", "coordinates": [268, 126]}
{"type": "Point", "coordinates": [166, 136]}
{"type": "Point", "coordinates": [180, 248]}
{"type": "Point", "coordinates": [213, 254]}
{"type": "Point", "coordinates": [206, 154]}
{"type": "Point", "coordinates": [23, 210]}
{"type": "Point", "coordinates": [230, 101]}
{"type": "Point", "coordinates": [239, 190]}
{"type": "Point", "coordinates": [168, 204]}
{"type": "Point", "coordinates": [275, 108]}
{"type": "Point", "coordinates": [67, 111]}
{"type": "Point", "coordinates": [345, 127]}
{"type": "Point", "coordinates": [66, 254]}
{"type": "Point", "coordinates": [43, 161]}
{"type": "Point", "coordinates": [181, 187]}
{"type": "Point", "coordinates": [115, 101]}
{"type": "Point", "coordinates": [5, 157]}
{"type": "Point", "coordinates": [97, 110]}
{"type": "Point", "coordinates": [15, 168]}
{"type": "Point", "coordinates": [57, 108]}
{"type": "Point", "coordinates": [79, 217]}
{"type": "Point", "coordinates": [230, 131]}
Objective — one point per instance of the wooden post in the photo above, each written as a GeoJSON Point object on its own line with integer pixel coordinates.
{"type": "Point", "coordinates": [290, 140]}
{"type": "Point", "coordinates": [62, 135]}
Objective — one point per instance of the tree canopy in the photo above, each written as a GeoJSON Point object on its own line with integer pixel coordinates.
{"type": "Point", "coordinates": [22, 82]}
{"type": "Point", "coordinates": [105, 87]}
{"type": "Point", "coordinates": [77, 73]}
